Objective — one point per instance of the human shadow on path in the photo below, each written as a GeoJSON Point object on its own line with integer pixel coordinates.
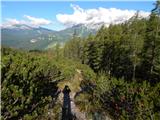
{"type": "Point", "coordinates": [66, 109]}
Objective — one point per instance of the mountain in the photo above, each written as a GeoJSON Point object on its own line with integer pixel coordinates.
{"type": "Point", "coordinates": [26, 37]}
{"type": "Point", "coordinates": [80, 31]}
{"type": "Point", "coordinates": [29, 38]}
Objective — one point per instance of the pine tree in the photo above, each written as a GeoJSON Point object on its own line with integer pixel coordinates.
{"type": "Point", "coordinates": [151, 48]}
{"type": "Point", "coordinates": [136, 38]}
{"type": "Point", "coordinates": [92, 54]}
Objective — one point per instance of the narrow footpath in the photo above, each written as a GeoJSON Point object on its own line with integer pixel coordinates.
{"type": "Point", "coordinates": [74, 85]}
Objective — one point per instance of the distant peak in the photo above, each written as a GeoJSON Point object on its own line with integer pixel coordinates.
{"type": "Point", "coordinates": [18, 26]}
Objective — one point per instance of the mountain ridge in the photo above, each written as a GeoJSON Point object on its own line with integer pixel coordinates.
{"type": "Point", "coordinates": [29, 38]}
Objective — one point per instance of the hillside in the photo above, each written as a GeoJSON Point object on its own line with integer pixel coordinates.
{"type": "Point", "coordinates": [31, 38]}
{"type": "Point", "coordinates": [32, 86]}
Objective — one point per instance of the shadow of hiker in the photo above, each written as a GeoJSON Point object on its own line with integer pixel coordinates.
{"type": "Point", "coordinates": [66, 109]}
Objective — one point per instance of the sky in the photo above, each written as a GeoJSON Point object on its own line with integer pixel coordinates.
{"type": "Point", "coordinates": [59, 15]}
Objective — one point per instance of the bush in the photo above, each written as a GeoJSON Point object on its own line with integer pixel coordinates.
{"type": "Point", "coordinates": [28, 83]}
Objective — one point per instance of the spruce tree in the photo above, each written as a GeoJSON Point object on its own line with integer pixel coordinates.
{"type": "Point", "coordinates": [151, 48]}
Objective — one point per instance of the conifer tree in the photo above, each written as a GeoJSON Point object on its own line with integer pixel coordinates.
{"type": "Point", "coordinates": [151, 48]}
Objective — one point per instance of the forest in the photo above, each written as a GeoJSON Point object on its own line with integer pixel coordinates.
{"type": "Point", "coordinates": [120, 67]}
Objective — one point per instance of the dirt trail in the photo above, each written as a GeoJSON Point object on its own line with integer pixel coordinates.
{"type": "Point", "coordinates": [74, 85]}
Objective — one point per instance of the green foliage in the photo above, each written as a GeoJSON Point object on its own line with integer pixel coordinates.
{"type": "Point", "coordinates": [122, 100]}
{"type": "Point", "coordinates": [120, 70]}
{"type": "Point", "coordinates": [69, 67]}
{"type": "Point", "coordinates": [126, 50]}
{"type": "Point", "coordinates": [126, 58]}
{"type": "Point", "coordinates": [28, 83]}
{"type": "Point", "coordinates": [73, 48]}
{"type": "Point", "coordinates": [151, 48]}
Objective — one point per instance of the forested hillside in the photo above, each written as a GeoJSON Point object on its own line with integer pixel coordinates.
{"type": "Point", "coordinates": [117, 72]}
{"type": "Point", "coordinates": [126, 59]}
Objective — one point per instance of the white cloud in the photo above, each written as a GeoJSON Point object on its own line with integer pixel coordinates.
{"type": "Point", "coordinates": [10, 22]}
{"type": "Point", "coordinates": [37, 21]}
{"type": "Point", "coordinates": [28, 20]}
{"type": "Point", "coordinates": [97, 16]}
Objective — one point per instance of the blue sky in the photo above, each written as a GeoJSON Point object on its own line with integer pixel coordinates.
{"type": "Point", "coordinates": [48, 10]}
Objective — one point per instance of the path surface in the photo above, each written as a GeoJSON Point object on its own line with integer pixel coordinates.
{"type": "Point", "coordinates": [74, 85]}
{"type": "Point", "coordinates": [76, 112]}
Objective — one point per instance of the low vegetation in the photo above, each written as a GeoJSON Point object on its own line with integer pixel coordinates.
{"type": "Point", "coordinates": [120, 67]}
